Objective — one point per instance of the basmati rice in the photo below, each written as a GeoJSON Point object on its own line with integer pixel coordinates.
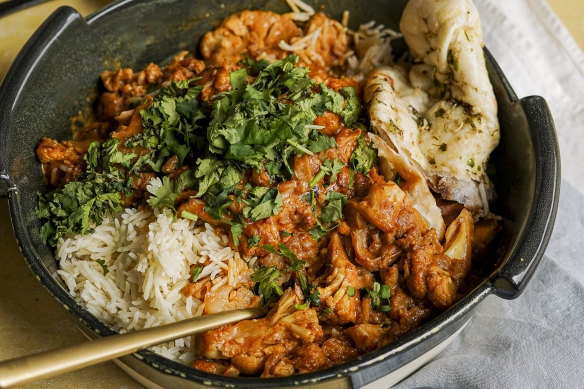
{"type": "Point", "coordinates": [148, 255]}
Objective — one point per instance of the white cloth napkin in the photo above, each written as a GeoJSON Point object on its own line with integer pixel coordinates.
{"type": "Point", "coordinates": [536, 341]}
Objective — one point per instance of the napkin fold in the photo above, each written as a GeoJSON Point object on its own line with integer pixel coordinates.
{"type": "Point", "coordinates": [537, 340]}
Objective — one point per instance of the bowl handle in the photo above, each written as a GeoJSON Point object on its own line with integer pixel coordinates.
{"type": "Point", "coordinates": [510, 280]}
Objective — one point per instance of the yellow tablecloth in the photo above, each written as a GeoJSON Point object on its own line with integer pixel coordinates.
{"type": "Point", "coordinates": [30, 320]}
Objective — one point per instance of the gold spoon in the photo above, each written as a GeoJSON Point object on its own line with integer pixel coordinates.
{"type": "Point", "coordinates": [30, 368]}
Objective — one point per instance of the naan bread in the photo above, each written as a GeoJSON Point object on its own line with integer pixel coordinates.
{"type": "Point", "coordinates": [441, 112]}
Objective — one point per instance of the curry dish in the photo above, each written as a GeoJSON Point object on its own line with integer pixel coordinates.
{"type": "Point", "coordinates": [277, 140]}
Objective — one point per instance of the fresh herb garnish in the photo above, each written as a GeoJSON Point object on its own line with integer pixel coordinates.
{"type": "Point", "coordinates": [311, 293]}
{"type": "Point", "coordinates": [253, 240]}
{"type": "Point", "coordinates": [170, 127]}
{"type": "Point", "coordinates": [333, 211]}
{"type": "Point", "coordinates": [189, 216]}
{"type": "Point", "coordinates": [266, 283]}
{"type": "Point", "coordinates": [325, 312]}
{"type": "Point", "coordinates": [350, 291]}
{"type": "Point", "coordinates": [295, 263]}
{"type": "Point", "coordinates": [165, 191]}
{"type": "Point", "coordinates": [77, 207]}
{"type": "Point", "coordinates": [196, 272]}
{"type": "Point", "coordinates": [104, 267]}
{"type": "Point", "coordinates": [259, 125]}
{"type": "Point", "coordinates": [363, 157]}
{"type": "Point", "coordinates": [398, 179]}
{"type": "Point", "coordinates": [335, 167]}
{"type": "Point", "coordinates": [379, 296]}
{"type": "Point", "coordinates": [329, 167]}
{"type": "Point", "coordinates": [260, 208]}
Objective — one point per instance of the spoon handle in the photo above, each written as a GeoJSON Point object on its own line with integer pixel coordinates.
{"type": "Point", "coordinates": [50, 363]}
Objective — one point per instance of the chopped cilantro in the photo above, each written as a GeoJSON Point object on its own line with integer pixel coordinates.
{"type": "Point", "coordinates": [104, 267]}
{"type": "Point", "coordinates": [363, 157]}
{"type": "Point", "coordinates": [295, 263]}
{"type": "Point", "coordinates": [379, 296]}
{"type": "Point", "coordinates": [260, 125]}
{"type": "Point", "coordinates": [236, 230]}
{"type": "Point", "coordinates": [398, 179]}
{"type": "Point", "coordinates": [352, 109]}
{"type": "Point", "coordinates": [266, 282]}
{"type": "Point", "coordinates": [195, 273]}
{"type": "Point", "coordinates": [333, 211]}
{"type": "Point", "coordinates": [171, 126]}
{"type": "Point", "coordinates": [253, 240]}
{"type": "Point", "coordinates": [317, 232]}
{"type": "Point", "coordinates": [350, 291]}
{"type": "Point", "coordinates": [325, 312]}
{"type": "Point", "coordinates": [189, 216]}
{"type": "Point", "coordinates": [335, 167]}
{"type": "Point", "coordinates": [321, 142]}
{"type": "Point", "coordinates": [263, 203]}
{"type": "Point", "coordinates": [164, 191]}
{"type": "Point", "coordinates": [329, 167]}
{"type": "Point", "coordinates": [311, 293]}
{"type": "Point", "coordinates": [351, 177]}
{"type": "Point", "coordinates": [78, 207]}
{"type": "Point", "coordinates": [316, 179]}
{"type": "Point", "coordinates": [305, 305]}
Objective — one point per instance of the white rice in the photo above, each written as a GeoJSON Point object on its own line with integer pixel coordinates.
{"type": "Point", "coordinates": [148, 255]}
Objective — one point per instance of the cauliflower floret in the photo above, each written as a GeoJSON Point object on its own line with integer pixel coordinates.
{"type": "Point", "coordinates": [335, 294]}
{"type": "Point", "coordinates": [255, 33]}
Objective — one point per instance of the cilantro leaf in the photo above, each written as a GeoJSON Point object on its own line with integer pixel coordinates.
{"type": "Point", "coordinates": [76, 207]}
{"type": "Point", "coordinates": [266, 283]}
{"type": "Point", "coordinates": [253, 240]}
{"type": "Point", "coordinates": [321, 143]}
{"type": "Point", "coordinates": [379, 297]}
{"type": "Point", "coordinates": [268, 205]}
{"type": "Point", "coordinates": [333, 211]}
{"type": "Point", "coordinates": [195, 272]}
{"type": "Point", "coordinates": [164, 192]}
{"type": "Point", "coordinates": [104, 267]}
{"type": "Point", "coordinates": [236, 230]}
{"type": "Point", "coordinates": [335, 167]}
{"type": "Point", "coordinates": [363, 157]}
{"type": "Point", "coordinates": [352, 109]}
{"type": "Point", "coordinates": [333, 100]}
{"type": "Point", "coordinates": [295, 263]}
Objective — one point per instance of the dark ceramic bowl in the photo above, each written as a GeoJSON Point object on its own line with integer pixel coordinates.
{"type": "Point", "coordinates": [58, 69]}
